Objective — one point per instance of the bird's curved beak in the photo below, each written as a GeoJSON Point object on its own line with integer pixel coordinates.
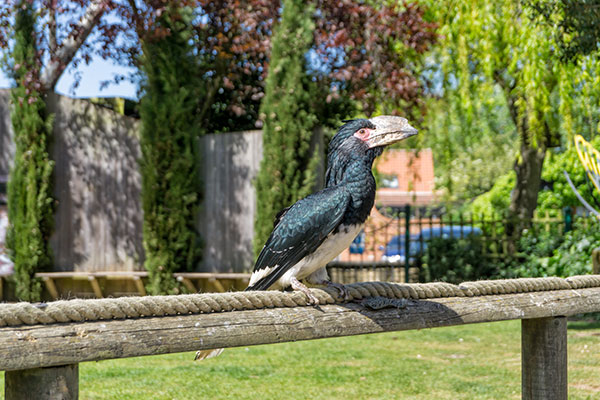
{"type": "Point", "coordinates": [388, 130]}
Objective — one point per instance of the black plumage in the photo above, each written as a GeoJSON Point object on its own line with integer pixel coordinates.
{"type": "Point", "coordinates": [314, 230]}
{"type": "Point", "coordinates": [301, 231]}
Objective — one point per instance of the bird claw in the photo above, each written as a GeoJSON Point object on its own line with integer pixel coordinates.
{"type": "Point", "coordinates": [343, 292]}
{"type": "Point", "coordinates": [312, 300]}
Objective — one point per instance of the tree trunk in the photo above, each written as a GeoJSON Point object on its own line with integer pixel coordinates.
{"type": "Point", "coordinates": [523, 201]}
{"type": "Point", "coordinates": [528, 166]}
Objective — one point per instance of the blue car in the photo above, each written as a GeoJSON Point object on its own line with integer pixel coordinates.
{"type": "Point", "coordinates": [395, 250]}
{"type": "Point", "coordinates": [358, 244]}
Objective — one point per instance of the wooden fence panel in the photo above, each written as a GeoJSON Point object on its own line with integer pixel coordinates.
{"type": "Point", "coordinates": [98, 220]}
{"type": "Point", "coordinates": [230, 162]}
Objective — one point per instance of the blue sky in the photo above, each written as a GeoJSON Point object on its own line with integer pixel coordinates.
{"type": "Point", "coordinates": [91, 76]}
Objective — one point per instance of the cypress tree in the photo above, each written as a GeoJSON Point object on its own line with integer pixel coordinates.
{"type": "Point", "coordinates": [30, 203]}
{"type": "Point", "coordinates": [170, 183]}
{"type": "Point", "coordinates": [288, 168]}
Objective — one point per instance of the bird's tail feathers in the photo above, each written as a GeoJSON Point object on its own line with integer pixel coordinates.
{"type": "Point", "coordinates": [205, 354]}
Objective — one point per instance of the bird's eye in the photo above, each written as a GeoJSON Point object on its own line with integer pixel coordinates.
{"type": "Point", "coordinates": [362, 134]}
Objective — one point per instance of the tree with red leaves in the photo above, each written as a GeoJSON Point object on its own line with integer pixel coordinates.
{"type": "Point", "coordinates": [368, 53]}
{"type": "Point", "coordinates": [374, 53]}
{"type": "Point", "coordinates": [363, 56]}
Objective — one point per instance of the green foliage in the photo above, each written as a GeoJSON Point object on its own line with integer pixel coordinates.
{"type": "Point", "coordinates": [541, 252]}
{"type": "Point", "coordinates": [561, 194]}
{"type": "Point", "coordinates": [288, 168]}
{"type": "Point", "coordinates": [490, 50]}
{"type": "Point", "coordinates": [551, 255]}
{"type": "Point", "coordinates": [574, 22]}
{"type": "Point", "coordinates": [170, 182]}
{"type": "Point", "coordinates": [30, 203]}
{"type": "Point", "coordinates": [551, 201]}
{"type": "Point", "coordinates": [578, 96]}
{"type": "Point", "coordinates": [467, 164]}
{"type": "Point", "coordinates": [497, 199]}
{"type": "Point", "coordinates": [500, 76]}
{"type": "Point", "coordinates": [456, 260]}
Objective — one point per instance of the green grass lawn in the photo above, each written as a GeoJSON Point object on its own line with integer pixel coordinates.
{"type": "Point", "coordinates": [465, 362]}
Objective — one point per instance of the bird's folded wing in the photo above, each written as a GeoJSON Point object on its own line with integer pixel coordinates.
{"type": "Point", "coordinates": [299, 232]}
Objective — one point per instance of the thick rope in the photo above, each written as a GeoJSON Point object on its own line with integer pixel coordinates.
{"type": "Point", "coordinates": [135, 307]}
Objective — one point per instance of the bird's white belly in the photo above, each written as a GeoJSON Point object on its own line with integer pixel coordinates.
{"type": "Point", "coordinates": [331, 247]}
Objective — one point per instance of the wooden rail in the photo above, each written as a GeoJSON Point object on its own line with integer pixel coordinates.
{"type": "Point", "coordinates": [51, 353]}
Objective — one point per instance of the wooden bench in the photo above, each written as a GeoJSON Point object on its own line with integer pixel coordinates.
{"type": "Point", "coordinates": [191, 280]}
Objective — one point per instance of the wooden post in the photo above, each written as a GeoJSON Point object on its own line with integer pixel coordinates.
{"type": "Point", "coordinates": [544, 358]}
{"type": "Point", "coordinates": [50, 383]}
{"type": "Point", "coordinates": [596, 261]}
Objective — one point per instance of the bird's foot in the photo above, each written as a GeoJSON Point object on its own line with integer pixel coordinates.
{"type": "Point", "coordinates": [297, 285]}
{"type": "Point", "coordinates": [343, 292]}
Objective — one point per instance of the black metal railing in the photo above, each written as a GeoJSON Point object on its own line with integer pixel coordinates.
{"type": "Point", "coordinates": [394, 242]}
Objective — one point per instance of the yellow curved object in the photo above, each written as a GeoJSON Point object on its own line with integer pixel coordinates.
{"type": "Point", "coordinates": [590, 159]}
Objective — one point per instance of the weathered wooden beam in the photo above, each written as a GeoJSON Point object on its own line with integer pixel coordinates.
{"type": "Point", "coordinates": [544, 358]}
{"type": "Point", "coordinates": [34, 346]}
{"type": "Point", "coordinates": [50, 383]}
{"type": "Point", "coordinates": [97, 274]}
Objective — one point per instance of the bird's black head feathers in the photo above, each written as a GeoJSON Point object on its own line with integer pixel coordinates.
{"type": "Point", "coordinates": [347, 130]}
{"type": "Point", "coordinates": [343, 148]}
{"type": "Point", "coordinates": [358, 142]}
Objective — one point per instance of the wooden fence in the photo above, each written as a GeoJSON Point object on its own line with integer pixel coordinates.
{"type": "Point", "coordinates": [97, 189]}
{"type": "Point", "coordinates": [98, 216]}
{"type": "Point", "coordinates": [41, 360]}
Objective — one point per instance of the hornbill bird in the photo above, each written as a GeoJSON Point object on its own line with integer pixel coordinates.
{"type": "Point", "coordinates": [316, 229]}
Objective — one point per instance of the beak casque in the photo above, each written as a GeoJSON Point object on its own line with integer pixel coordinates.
{"type": "Point", "coordinates": [389, 129]}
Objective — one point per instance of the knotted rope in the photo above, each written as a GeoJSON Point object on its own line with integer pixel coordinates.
{"type": "Point", "coordinates": [135, 307]}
